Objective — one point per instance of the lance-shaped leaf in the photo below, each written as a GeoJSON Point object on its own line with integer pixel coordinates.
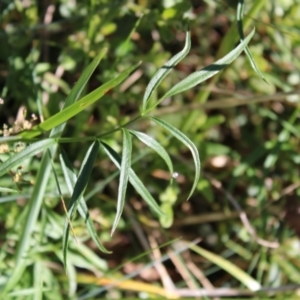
{"type": "Point", "coordinates": [26, 153]}
{"type": "Point", "coordinates": [187, 142]}
{"type": "Point", "coordinates": [71, 179]}
{"type": "Point", "coordinates": [199, 76]}
{"type": "Point", "coordinates": [79, 188]}
{"type": "Point", "coordinates": [166, 69]}
{"type": "Point", "coordinates": [75, 108]}
{"type": "Point", "coordinates": [158, 148]}
{"type": "Point", "coordinates": [133, 179]}
{"type": "Point", "coordinates": [83, 80]}
{"type": "Point", "coordinates": [124, 176]}
{"type": "Point", "coordinates": [239, 17]}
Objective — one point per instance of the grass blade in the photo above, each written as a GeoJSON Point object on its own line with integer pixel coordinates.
{"type": "Point", "coordinates": [71, 179]}
{"type": "Point", "coordinates": [152, 143]}
{"type": "Point", "coordinates": [226, 265]}
{"type": "Point", "coordinates": [79, 188]}
{"type": "Point", "coordinates": [133, 179]}
{"type": "Point", "coordinates": [199, 76]}
{"type": "Point", "coordinates": [28, 152]}
{"type": "Point", "coordinates": [166, 69]}
{"type": "Point", "coordinates": [124, 176]}
{"type": "Point", "coordinates": [187, 142]}
{"type": "Point", "coordinates": [75, 108]}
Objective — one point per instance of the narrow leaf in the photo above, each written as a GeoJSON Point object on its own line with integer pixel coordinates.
{"type": "Point", "coordinates": [226, 265]}
{"type": "Point", "coordinates": [240, 13]}
{"type": "Point", "coordinates": [71, 179]}
{"type": "Point", "coordinates": [187, 142]}
{"type": "Point", "coordinates": [101, 185]}
{"type": "Point", "coordinates": [152, 143]}
{"type": "Point", "coordinates": [133, 179]}
{"type": "Point", "coordinates": [199, 76]}
{"type": "Point", "coordinates": [78, 106]}
{"type": "Point", "coordinates": [79, 189]}
{"type": "Point", "coordinates": [8, 139]}
{"type": "Point", "coordinates": [124, 176]}
{"type": "Point", "coordinates": [83, 79]}
{"type": "Point", "coordinates": [7, 190]}
{"type": "Point", "coordinates": [78, 88]}
{"type": "Point", "coordinates": [61, 196]}
{"type": "Point", "coordinates": [166, 69]}
{"type": "Point", "coordinates": [122, 48]}
{"type": "Point", "coordinates": [26, 153]}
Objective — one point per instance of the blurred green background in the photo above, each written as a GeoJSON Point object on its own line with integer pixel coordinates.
{"type": "Point", "coordinates": [246, 130]}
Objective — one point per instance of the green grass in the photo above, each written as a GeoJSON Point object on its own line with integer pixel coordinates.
{"type": "Point", "coordinates": [139, 107]}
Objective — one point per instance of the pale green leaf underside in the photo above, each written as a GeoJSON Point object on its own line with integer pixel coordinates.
{"type": "Point", "coordinates": [166, 69]}
{"type": "Point", "coordinates": [133, 179]}
{"type": "Point", "coordinates": [152, 143]}
{"type": "Point", "coordinates": [188, 143]}
{"type": "Point", "coordinates": [124, 176]}
{"type": "Point", "coordinates": [209, 71]}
